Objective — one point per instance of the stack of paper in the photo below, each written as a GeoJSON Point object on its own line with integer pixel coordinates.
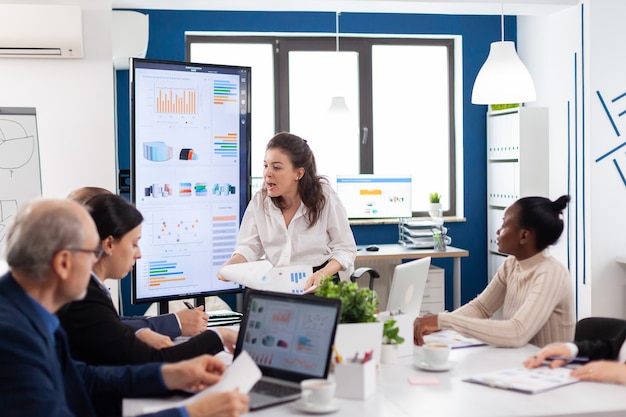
{"type": "Point", "coordinates": [261, 275]}
{"type": "Point", "coordinates": [223, 318]}
{"type": "Point", "coordinates": [452, 338]}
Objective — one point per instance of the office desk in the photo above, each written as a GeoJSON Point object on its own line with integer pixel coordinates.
{"type": "Point", "coordinates": [397, 252]}
{"type": "Point", "coordinates": [395, 397]}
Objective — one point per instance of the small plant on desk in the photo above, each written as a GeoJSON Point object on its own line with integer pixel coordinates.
{"type": "Point", "coordinates": [391, 334]}
{"type": "Point", "coordinates": [434, 198]}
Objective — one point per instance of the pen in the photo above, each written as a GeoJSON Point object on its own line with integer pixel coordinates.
{"type": "Point", "coordinates": [367, 357]}
{"type": "Point", "coordinates": [570, 359]}
{"type": "Point", "coordinates": [338, 357]}
{"type": "Point", "coordinates": [188, 304]}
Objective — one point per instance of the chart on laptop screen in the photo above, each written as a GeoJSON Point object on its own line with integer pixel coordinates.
{"type": "Point", "coordinates": [289, 336]}
{"type": "Point", "coordinates": [369, 196]}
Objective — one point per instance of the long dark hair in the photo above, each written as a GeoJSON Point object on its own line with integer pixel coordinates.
{"type": "Point", "coordinates": [113, 215]}
{"type": "Point", "coordinates": [309, 186]}
{"type": "Point", "coordinates": [544, 217]}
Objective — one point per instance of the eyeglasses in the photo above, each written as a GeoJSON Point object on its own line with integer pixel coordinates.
{"type": "Point", "coordinates": [97, 252]}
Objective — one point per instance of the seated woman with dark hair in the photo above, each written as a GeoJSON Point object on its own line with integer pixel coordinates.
{"type": "Point", "coordinates": [533, 288]}
{"type": "Point", "coordinates": [96, 333]}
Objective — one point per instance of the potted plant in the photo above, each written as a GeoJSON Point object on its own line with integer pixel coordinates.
{"type": "Point", "coordinates": [359, 330]}
{"type": "Point", "coordinates": [435, 205]}
{"type": "Point", "coordinates": [391, 340]}
{"type": "Point", "coordinates": [358, 305]}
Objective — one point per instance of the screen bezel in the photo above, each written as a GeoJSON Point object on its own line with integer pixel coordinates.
{"type": "Point", "coordinates": [244, 158]}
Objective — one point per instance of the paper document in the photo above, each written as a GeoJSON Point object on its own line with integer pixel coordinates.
{"type": "Point", "coordinates": [262, 276]}
{"type": "Point", "coordinates": [243, 373]}
{"type": "Point", "coordinates": [452, 338]}
{"type": "Point", "coordinates": [529, 381]}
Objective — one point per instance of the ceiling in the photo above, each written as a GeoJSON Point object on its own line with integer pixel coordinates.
{"type": "Point", "coordinates": [510, 7]}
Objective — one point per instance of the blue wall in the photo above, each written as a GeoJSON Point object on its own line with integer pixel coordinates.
{"type": "Point", "coordinates": [167, 41]}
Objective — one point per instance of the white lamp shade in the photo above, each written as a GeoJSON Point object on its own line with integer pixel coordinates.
{"type": "Point", "coordinates": [503, 78]}
{"type": "Point", "coordinates": [338, 106]}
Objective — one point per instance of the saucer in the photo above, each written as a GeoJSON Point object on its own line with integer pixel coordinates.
{"type": "Point", "coordinates": [424, 366]}
{"type": "Point", "coordinates": [316, 409]}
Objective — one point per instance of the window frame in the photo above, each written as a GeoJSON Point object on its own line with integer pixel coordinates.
{"type": "Point", "coordinates": [284, 43]}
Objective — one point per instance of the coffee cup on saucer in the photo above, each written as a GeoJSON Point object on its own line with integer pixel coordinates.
{"type": "Point", "coordinates": [317, 393]}
{"type": "Point", "coordinates": [436, 354]}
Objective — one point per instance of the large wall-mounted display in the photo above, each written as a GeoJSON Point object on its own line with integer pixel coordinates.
{"type": "Point", "coordinates": [190, 145]}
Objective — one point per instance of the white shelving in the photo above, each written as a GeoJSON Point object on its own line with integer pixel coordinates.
{"type": "Point", "coordinates": [517, 166]}
{"type": "Point", "coordinates": [434, 300]}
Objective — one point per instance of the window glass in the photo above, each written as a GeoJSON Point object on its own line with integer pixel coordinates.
{"type": "Point", "coordinates": [260, 58]}
{"type": "Point", "coordinates": [411, 117]}
{"type": "Point", "coordinates": [317, 78]}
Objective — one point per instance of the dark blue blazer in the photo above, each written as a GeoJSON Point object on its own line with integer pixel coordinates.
{"type": "Point", "coordinates": [166, 324]}
{"type": "Point", "coordinates": [34, 381]}
{"type": "Point", "coordinates": [98, 337]}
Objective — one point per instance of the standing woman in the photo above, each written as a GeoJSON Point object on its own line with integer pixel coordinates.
{"type": "Point", "coordinates": [95, 331]}
{"type": "Point", "coordinates": [533, 288]}
{"type": "Point", "coordinates": [296, 218]}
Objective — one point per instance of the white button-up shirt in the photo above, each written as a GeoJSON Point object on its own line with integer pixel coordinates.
{"type": "Point", "coordinates": [263, 232]}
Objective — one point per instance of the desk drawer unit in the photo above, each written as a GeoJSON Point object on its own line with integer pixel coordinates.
{"type": "Point", "coordinates": [434, 300]}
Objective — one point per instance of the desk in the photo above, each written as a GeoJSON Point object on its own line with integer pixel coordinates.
{"type": "Point", "coordinates": [397, 252]}
{"type": "Point", "coordinates": [395, 397]}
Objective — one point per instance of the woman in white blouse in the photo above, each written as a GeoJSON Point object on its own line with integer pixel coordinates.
{"type": "Point", "coordinates": [296, 218]}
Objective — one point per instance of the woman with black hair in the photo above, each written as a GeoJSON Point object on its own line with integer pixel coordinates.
{"type": "Point", "coordinates": [296, 218]}
{"type": "Point", "coordinates": [533, 288]}
{"type": "Point", "coordinates": [96, 333]}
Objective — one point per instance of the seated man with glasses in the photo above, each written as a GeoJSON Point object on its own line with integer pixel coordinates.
{"type": "Point", "coordinates": [51, 247]}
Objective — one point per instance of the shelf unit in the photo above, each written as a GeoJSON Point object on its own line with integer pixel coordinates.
{"type": "Point", "coordinates": [434, 300]}
{"type": "Point", "coordinates": [517, 166]}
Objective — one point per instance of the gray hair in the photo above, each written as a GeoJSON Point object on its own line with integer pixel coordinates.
{"type": "Point", "coordinates": [39, 230]}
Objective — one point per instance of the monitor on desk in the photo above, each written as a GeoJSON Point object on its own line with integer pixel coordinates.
{"type": "Point", "coordinates": [370, 196]}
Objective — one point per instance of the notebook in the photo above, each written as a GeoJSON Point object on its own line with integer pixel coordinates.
{"type": "Point", "coordinates": [407, 286]}
{"type": "Point", "coordinates": [290, 339]}
{"type": "Point", "coordinates": [528, 381]}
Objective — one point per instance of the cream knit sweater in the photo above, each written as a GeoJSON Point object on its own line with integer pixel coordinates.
{"type": "Point", "coordinates": [537, 305]}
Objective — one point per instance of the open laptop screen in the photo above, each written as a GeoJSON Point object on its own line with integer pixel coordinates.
{"type": "Point", "coordinates": [289, 336]}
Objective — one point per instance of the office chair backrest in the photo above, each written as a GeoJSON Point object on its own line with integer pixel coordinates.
{"type": "Point", "coordinates": [594, 328]}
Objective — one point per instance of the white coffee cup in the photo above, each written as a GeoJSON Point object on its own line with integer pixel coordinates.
{"type": "Point", "coordinates": [317, 392]}
{"type": "Point", "coordinates": [436, 354]}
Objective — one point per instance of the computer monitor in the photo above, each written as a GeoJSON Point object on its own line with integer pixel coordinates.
{"type": "Point", "coordinates": [370, 196]}
{"type": "Point", "coordinates": [190, 140]}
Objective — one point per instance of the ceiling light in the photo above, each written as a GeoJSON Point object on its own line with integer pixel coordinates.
{"type": "Point", "coordinates": [503, 78]}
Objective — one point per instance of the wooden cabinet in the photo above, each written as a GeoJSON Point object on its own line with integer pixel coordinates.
{"type": "Point", "coordinates": [517, 166]}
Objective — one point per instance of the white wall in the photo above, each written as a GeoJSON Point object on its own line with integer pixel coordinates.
{"type": "Point", "coordinates": [553, 48]}
{"type": "Point", "coordinates": [74, 102]}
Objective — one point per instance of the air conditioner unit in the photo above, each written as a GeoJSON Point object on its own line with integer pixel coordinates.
{"type": "Point", "coordinates": [41, 31]}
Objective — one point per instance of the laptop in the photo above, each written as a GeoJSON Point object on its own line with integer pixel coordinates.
{"type": "Point", "coordinates": [407, 286]}
{"type": "Point", "coordinates": [290, 338]}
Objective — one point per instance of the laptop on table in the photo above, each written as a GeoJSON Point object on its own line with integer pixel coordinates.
{"type": "Point", "coordinates": [407, 286]}
{"type": "Point", "coordinates": [290, 338]}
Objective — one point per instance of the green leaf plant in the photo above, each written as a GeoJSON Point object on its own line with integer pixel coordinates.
{"type": "Point", "coordinates": [391, 333]}
{"type": "Point", "coordinates": [358, 305]}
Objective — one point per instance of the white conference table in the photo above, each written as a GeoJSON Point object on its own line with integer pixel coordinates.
{"type": "Point", "coordinates": [395, 397]}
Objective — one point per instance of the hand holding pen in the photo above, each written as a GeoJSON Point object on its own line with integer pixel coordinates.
{"type": "Point", "coordinates": [192, 321]}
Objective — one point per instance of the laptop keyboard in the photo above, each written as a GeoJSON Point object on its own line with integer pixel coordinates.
{"type": "Point", "coordinates": [274, 390]}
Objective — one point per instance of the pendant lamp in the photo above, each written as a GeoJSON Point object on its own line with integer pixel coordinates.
{"type": "Point", "coordinates": [503, 78]}
{"type": "Point", "coordinates": [338, 106]}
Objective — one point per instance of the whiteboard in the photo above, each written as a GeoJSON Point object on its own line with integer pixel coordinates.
{"type": "Point", "coordinates": [20, 169]}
